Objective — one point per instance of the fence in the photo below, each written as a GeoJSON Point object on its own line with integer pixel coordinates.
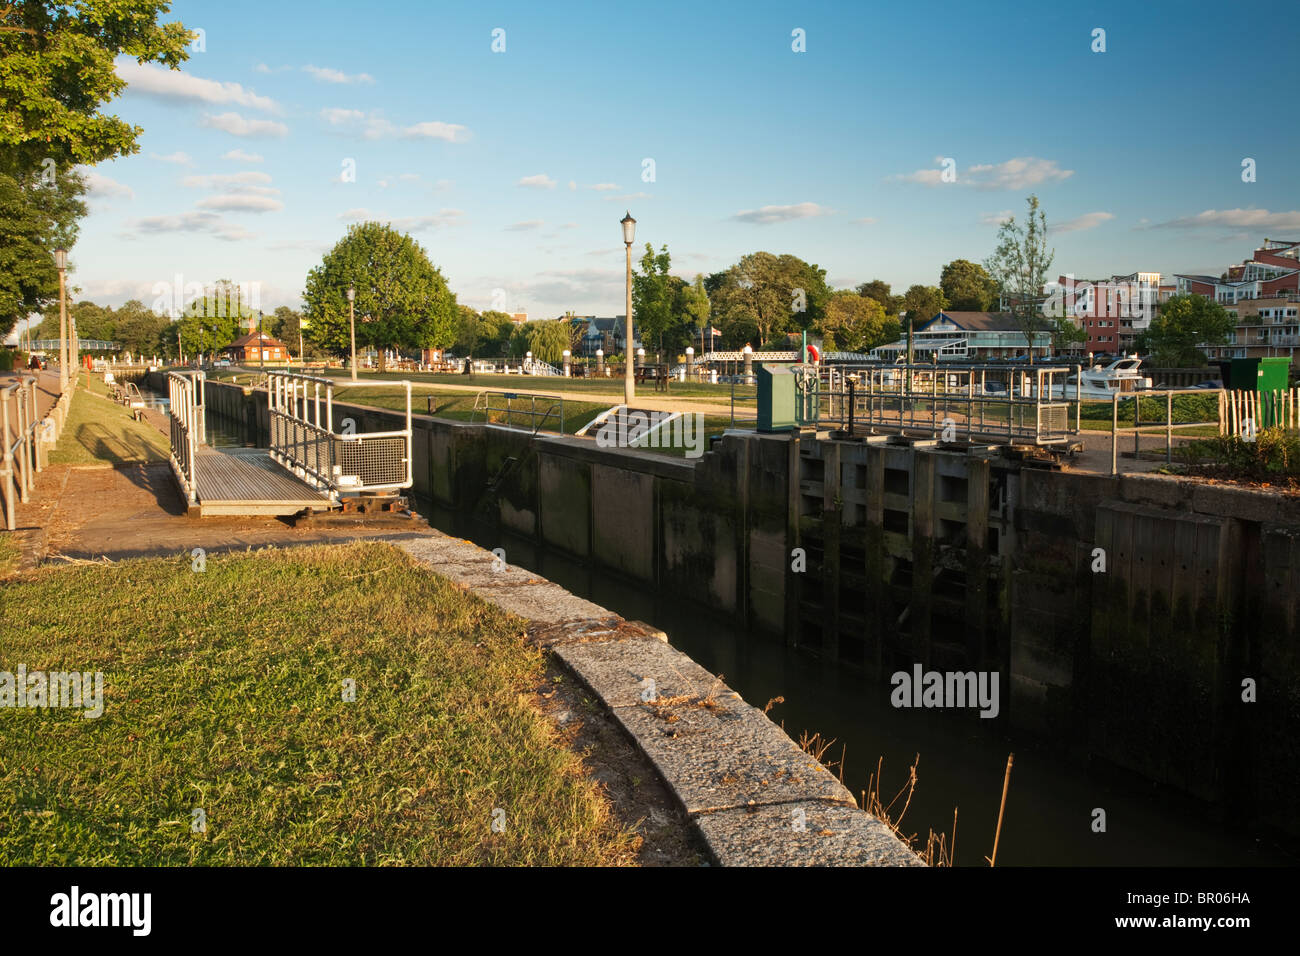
{"type": "Point", "coordinates": [1241, 410]}
{"type": "Point", "coordinates": [24, 448]}
{"type": "Point", "coordinates": [186, 422]}
{"type": "Point", "coordinates": [1028, 405]}
{"type": "Point", "coordinates": [523, 411]}
{"type": "Point", "coordinates": [304, 440]}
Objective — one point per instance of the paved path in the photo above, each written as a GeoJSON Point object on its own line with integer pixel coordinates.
{"type": "Point", "coordinates": [47, 393]}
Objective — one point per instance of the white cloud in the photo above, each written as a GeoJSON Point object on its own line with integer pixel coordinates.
{"type": "Point", "coordinates": [526, 225]}
{"type": "Point", "coordinates": [181, 159]}
{"type": "Point", "coordinates": [222, 180]}
{"type": "Point", "coordinates": [327, 75]}
{"type": "Point", "coordinates": [451, 132]}
{"type": "Point", "coordinates": [1253, 219]}
{"type": "Point", "coordinates": [239, 156]}
{"type": "Point", "coordinates": [1019, 173]}
{"type": "Point", "coordinates": [237, 125]}
{"type": "Point", "coordinates": [573, 185]}
{"type": "Point", "coordinates": [101, 186]}
{"type": "Point", "coordinates": [375, 126]}
{"type": "Point", "coordinates": [540, 181]}
{"type": "Point", "coordinates": [338, 117]}
{"type": "Point", "coordinates": [864, 221]}
{"type": "Point", "coordinates": [995, 218]}
{"type": "Point", "coordinates": [241, 202]}
{"type": "Point", "coordinates": [604, 187]}
{"type": "Point", "coordinates": [444, 217]}
{"type": "Point", "coordinates": [1089, 220]}
{"type": "Point", "coordinates": [173, 84]}
{"type": "Point", "coordinates": [771, 214]}
{"type": "Point", "coordinates": [443, 184]}
{"type": "Point", "coordinates": [208, 222]}
{"type": "Point", "coordinates": [263, 68]}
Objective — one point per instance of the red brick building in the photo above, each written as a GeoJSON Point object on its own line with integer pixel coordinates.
{"type": "Point", "coordinates": [256, 347]}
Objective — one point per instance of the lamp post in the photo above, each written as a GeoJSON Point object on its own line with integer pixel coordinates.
{"type": "Point", "coordinates": [352, 323]}
{"type": "Point", "coordinates": [61, 263]}
{"type": "Point", "coordinates": [261, 342]}
{"type": "Point", "coordinates": [629, 382]}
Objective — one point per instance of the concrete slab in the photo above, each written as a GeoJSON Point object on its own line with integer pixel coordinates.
{"type": "Point", "coordinates": [803, 833]}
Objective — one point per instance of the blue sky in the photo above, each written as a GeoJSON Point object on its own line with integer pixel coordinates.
{"type": "Point", "coordinates": [512, 169]}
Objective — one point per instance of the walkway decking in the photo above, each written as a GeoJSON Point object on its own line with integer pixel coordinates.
{"type": "Point", "coordinates": [245, 481]}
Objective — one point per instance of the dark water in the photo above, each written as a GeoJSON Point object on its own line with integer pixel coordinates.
{"type": "Point", "coordinates": [1050, 803]}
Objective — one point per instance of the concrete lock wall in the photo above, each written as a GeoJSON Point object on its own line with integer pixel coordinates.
{"type": "Point", "coordinates": [954, 559]}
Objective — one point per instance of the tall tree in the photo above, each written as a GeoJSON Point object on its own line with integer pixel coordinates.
{"type": "Point", "coordinates": [652, 296]}
{"type": "Point", "coordinates": [35, 219]}
{"type": "Point", "coordinates": [878, 289]}
{"type": "Point", "coordinates": [968, 287]}
{"type": "Point", "coordinates": [402, 299]}
{"type": "Point", "coordinates": [920, 304]}
{"type": "Point", "coordinates": [56, 74]}
{"type": "Point", "coordinates": [1183, 325]}
{"type": "Point", "coordinates": [140, 330]}
{"type": "Point", "coordinates": [774, 293]}
{"type": "Point", "coordinates": [1021, 265]}
{"type": "Point", "coordinates": [854, 323]}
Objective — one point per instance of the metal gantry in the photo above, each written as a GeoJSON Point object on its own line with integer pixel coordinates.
{"type": "Point", "coordinates": [1021, 405]}
{"type": "Point", "coordinates": [305, 441]}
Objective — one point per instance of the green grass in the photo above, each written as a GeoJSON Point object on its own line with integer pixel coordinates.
{"type": "Point", "coordinates": [223, 691]}
{"type": "Point", "coordinates": [99, 430]}
{"type": "Point", "coordinates": [612, 387]}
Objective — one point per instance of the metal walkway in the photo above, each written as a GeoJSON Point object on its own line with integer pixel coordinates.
{"type": "Point", "coordinates": [309, 466]}
{"type": "Point", "coordinates": [245, 481]}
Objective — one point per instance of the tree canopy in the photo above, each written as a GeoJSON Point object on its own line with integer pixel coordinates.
{"type": "Point", "coordinates": [402, 299]}
{"type": "Point", "coordinates": [968, 287]}
{"type": "Point", "coordinates": [1184, 323]}
{"type": "Point", "coordinates": [854, 323]}
{"type": "Point", "coordinates": [769, 294]}
{"type": "Point", "coordinates": [56, 75]}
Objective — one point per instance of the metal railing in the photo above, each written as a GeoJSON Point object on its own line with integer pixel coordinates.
{"type": "Point", "coordinates": [1016, 405]}
{"type": "Point", "coordinates": [186, 427]}
{"type": "Point", "coordinates": [19, 460]}
{"type": "Point", "coordinates": [1167, 423]}
{"type": "Point", "coordinates": [305, 441]}
{"type": "Point", "coordinates": [26, 441]}
{"type": "Point", "coordinates": [522, 411]}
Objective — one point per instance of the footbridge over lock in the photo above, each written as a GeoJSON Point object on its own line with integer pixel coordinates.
{"type": "Point", "coordinates": [313, 464]}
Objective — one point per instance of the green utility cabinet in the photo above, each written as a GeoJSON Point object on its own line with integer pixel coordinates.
{"type": "Point", "coordinates": [1267, 376]}
{"type": "Point", "coordinates": [1258, 374]}
{"type": "Point", "coordinates": [776, 403]}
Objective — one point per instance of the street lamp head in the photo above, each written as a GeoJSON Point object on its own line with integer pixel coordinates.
{"type": "Point", "coordinates": [60, 259]}
{"type": "Point", "coordinates": [352, 294]}
{"type": "Point", "coordinates": [748, 350]}
{"type": "Point", "coordinates": [629, 229]}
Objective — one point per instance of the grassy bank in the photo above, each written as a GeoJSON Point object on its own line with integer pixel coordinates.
{"type": "Point", "coordinates": [223, 691]}
{"type": "Point", "coordinates": [99, 430]}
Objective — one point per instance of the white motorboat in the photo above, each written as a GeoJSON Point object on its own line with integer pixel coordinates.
{"type": "Point", "coordinates": [1121, 375]}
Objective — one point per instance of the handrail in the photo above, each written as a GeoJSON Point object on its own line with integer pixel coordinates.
{"type": "Point", "coordinates": [305, 441]}
{"type": "Point", "coordinates": [186, 418]}
{"type": "Point", "coordinates": [25, 444]}
{"type": "Point", "coordinates": [537, 419]}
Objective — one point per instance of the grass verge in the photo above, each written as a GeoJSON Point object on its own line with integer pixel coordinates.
{"type": "Point", "coordinates": [223, 692]}
{"type": "Point", "coordinates": [99, 430]}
